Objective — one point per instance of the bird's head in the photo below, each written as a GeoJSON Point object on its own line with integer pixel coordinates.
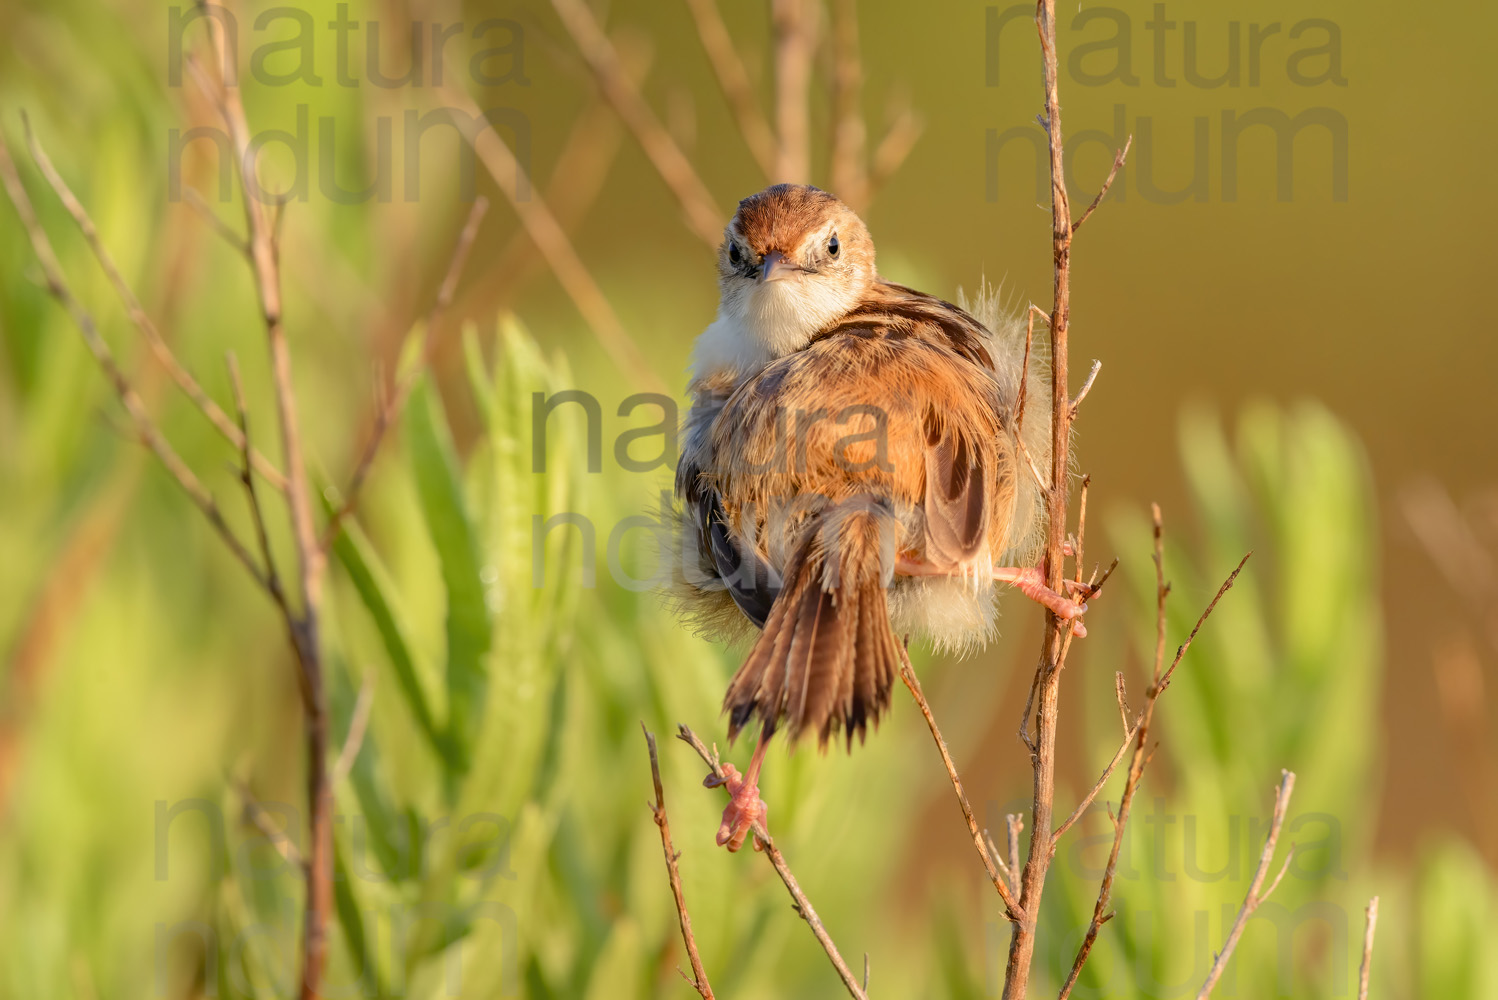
{"type": "Point", "coordinates": [794, 260]}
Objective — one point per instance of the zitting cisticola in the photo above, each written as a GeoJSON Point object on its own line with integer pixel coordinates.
{"type": "Point", "coordinates": [849, 468]}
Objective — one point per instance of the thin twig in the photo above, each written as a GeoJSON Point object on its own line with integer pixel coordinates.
{"type": "Point", "coordinates": [247, 479]}
{"type": "Point", "coordinates": [1087, 800]}
{"type": "Point", "coordinates": [793, 25]}
{"type": "Point", "coordinates": [1014, 824]}
{"type": "Point", "coordinates": [893, 148]}
{"type": "Point", "coordinates": [1164, 682]}
{"type": "Point", "coordinates": [357, 726]}
{"type": "Point", "coordinates": [1024, 370]}
{"type": "Point", "coordinates": [849, 134]}
{"type": "Point", "coordinates": [907, 674]}
{"type": "Point", "coordinates": [733, 79]}
{"type": "Point", "coordinates": [1057, 631]}
{"type": "Point", "coordinates": [553, 243]}
{"type": "Point", "coordinates": [281, 840]}
{"type": "Point", "coordinates": [1097, 366]}
{"type": "Point", "coordinates": [777, 860]}
{"type": "Point", "coordinates": [144, 426]}
{"type": "Point", "coordinates": [583, 164]}
{"type": "Point", "coordinates": [1253, 899]}
{"type": "Point", "coordinates": [304, 630]}
{"type": "Point", "coordinates": [1143, 752]}
{"type": "Point", "coordinates": [218, 225]}
{"type": "Point", "coordinates": [389, 410]}
{"type": "Point", "coordinates": [1000, 860]}
{"type": "Point", "coordinates": [137, 312]}
{"type": "Point", "coordinates": [1369, 927]}
{"type": "Point", "coordinates": [670, 162]}
{"type": "Point", "coordinates": [1123, 701]}
{"type": "Point", "coordinates": [1020, 403]}
{"type": "Point", "coordinates": [1118, 162]}
{"type": "Point", "coordinates": [699, 980]}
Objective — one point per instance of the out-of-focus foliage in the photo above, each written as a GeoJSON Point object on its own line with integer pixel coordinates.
{"type": "Point", "coordinates": [494, 837]}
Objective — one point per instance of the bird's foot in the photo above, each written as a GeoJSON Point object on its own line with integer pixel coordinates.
{"type": "Point", "coordinates": [744, 809]}
{"type": "Point", "coordinates": [1031, 583]}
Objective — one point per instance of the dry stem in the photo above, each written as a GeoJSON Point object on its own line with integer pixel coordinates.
{"type": "Point", "coordinates": [261, 235]}
{"type": "Point", "coordinates": [793, 24]}
{"type": "Point", "coordinates": [144, 425]}
{"type": "Point", "coordinates": [1140, 739]}
{"type": "Point", "coordinates": [1368, 928]}
{"type": "Point", "coordinates": [389, 410]}
{"type": "Point", "coordinates": [907, 674]}
{"type": "Point", "coordinates": [733, 79]}
{"type": "Point", "coordinates": [1047, 684]}
{"type": "Point", "coordinates": [777, 860]}
{"type": "Point", "coordinates": [849, 134]}
{"type": "Point", "coordinates": [699, 975]}
{"type": "Point", "coordinates": [1118, 162]}
{"type": "Point", "coordinates": [670, 162]}
{"type": "Point", "coordinates": [137, 313]}
{"type": "Point", "coordinates": [1254, 898]}
{"type": "Point", "coordinates": [555, 246]}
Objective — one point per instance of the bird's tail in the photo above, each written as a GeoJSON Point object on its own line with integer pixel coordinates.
{"type": "Point", "coordinates": [826, 658]}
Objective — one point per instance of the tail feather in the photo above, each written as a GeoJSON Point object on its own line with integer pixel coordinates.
{"type": "Point", "coordinates": [827, 659]}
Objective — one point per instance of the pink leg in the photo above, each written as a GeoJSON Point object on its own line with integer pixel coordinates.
{"type": "Point", "coordinates": [745, 807]}
{"type": "Point", "coordinates": [1027, 579]}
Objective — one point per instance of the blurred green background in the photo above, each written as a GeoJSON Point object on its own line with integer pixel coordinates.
{"type": "Point", "coordinates": [1306, 372]}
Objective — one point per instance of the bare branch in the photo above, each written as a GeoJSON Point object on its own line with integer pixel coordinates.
{"type": "Point", "coordinates": [389, 410]}
{"type": "Point", "coordinates": [1118, 162]}
{"type": "Point", "coordinates": [262, 235]}
{"type": "Point", "coordinates": [1143, 751]}
{"type": "Point", "coordinates": [1020, 402]}
{"type": "Point", "coordinates": [1024, 370]}
{"type": "Point", "coordinates": [281, 840]}
{"type": "Point", "coordinates": [137, 312]}
{"type": "Point", "coordinates": [1015, 825]}
{"type": "Point", "coordinates": [141, 420]}
{"type": "Point", "coordinates": [893, 148]}
{"type": "Point", "coordinates": [357, 726]}
{"type": "Point", "coordinates": [1087, 800]}
{"type": "Point", "coordinates": [1227, 584]}
{"type": "Point", "coordinates": [1253, 899]}
{"type": "Point", "coordinates": [265, 270]}
{"type": "Point", "coordinates": [218, 225]}
{"type": "Point", "coordinates": [733, 79]}
{"type": "Point", "coordinates": [247, 478]}
{"type": "Point", "coordinates": [554, 244]}
{"type": "Point", "coordinates": [777, 860]}
{"type": "Point", "coordinates": [670, 162]}
{"type": "Point", "coordinates": [699, 975]}
{"type": "Point", "coordinates": [1097, 366]}
{"type": "Point", "coordinates": [793, 25]}
{"type": "Point", "coordinates": [907, 674]}
{"type": "Point", "coordinates": [1000, 859]}
{"type": "Point", "coordinates": [849, 134]}
{"type": "Point", "coordinates": [1368, 928]}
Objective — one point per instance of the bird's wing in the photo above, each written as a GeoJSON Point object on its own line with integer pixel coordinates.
{"type": "Point", "coordinates": [888, 404]}
{"type": "Point", "coordinates": [744, 572]}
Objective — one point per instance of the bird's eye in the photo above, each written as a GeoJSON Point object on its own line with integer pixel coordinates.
{"type": "Point", "coordinates": [832, 245]}
{"type": "Point", "coordinates": [733, 254]}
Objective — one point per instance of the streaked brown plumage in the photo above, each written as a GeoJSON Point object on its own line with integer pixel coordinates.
{"type": "Point", "coordinates": [849, 464]}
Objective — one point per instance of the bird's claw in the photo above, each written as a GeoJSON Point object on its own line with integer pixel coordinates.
{"type": "Point", "coordinates": [744, 808]}
{"type": "Point", "coordinates": [1032, 585]}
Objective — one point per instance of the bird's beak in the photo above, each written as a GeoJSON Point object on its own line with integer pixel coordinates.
{"type": "Point", "coordinates": [775, 267]}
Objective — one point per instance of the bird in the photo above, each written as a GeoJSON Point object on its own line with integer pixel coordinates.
{"type": "Point", "coordinates": [854, 461]}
